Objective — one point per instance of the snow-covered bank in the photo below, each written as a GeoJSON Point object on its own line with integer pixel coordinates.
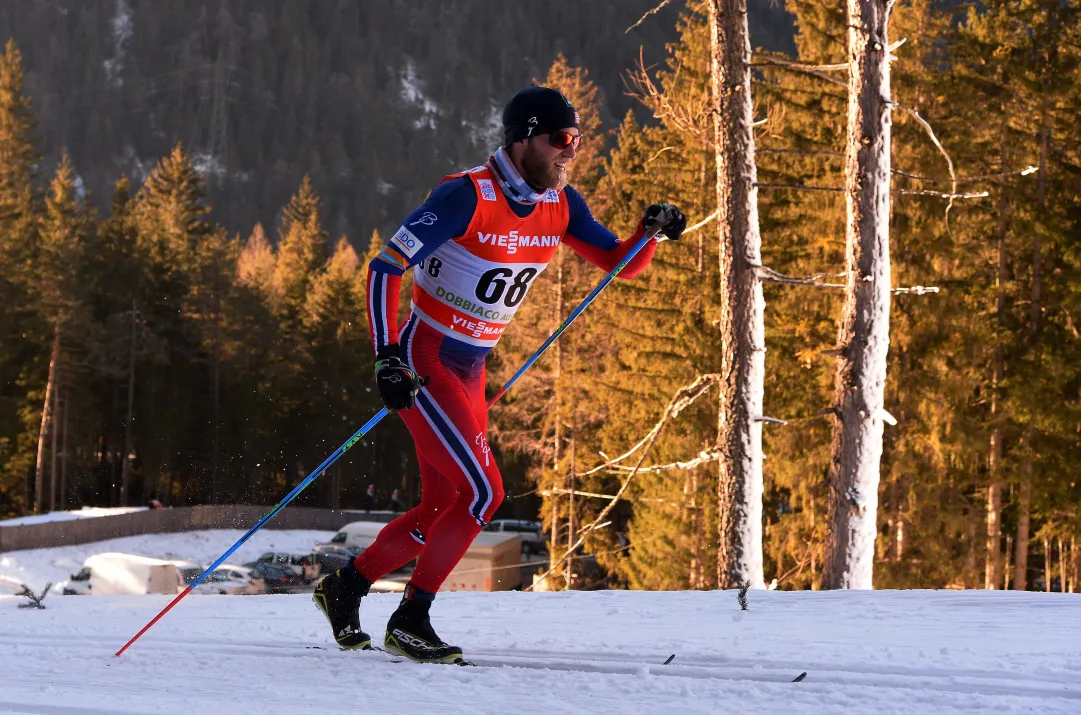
{"type": "Point", "coordinates": [87, 512]}
{"type": "Point", "coordinates": [875, 652]}
{"type": "Point", "coordinates": [36, 567]}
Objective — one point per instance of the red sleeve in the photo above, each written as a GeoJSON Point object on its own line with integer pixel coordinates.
{"type": "Point", "coordinates": [607, 259]}
{"type": "Point", "coordinates": [383, 289]}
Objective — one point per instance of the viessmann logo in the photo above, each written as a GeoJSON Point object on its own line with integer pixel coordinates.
{"type": "Point", "coordinates": [513, 241]}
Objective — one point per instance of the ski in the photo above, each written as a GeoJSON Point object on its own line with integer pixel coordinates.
{"type": "Point", "coordinates": [798, 679]}
{"type": "Point", "coordinates": [588, 665]}
{"type": "Point", "coordinates": [392, 657]}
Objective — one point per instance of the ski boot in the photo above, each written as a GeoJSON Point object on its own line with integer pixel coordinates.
{"type": "Point", "coordinates": [338, 597]}
{"type": "Point", "coordinates": [410, 633]}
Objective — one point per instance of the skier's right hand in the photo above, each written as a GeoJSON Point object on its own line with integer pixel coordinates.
{"type": "Point", "coordinates": [398, 384]}
{"type": "Point", "coordinates": [672, 220]}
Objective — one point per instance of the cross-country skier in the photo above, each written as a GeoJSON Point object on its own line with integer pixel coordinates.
{"type": "Point", "coordinates": [476, 244]}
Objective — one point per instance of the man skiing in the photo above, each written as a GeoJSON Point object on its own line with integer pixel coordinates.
{"type": "Point", "coordinates": [476, 244]}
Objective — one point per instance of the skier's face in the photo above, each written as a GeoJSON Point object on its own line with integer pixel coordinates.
{"type": "Point", "coordinates": [545, 166]}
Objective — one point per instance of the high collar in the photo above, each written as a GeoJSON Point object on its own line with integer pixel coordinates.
{"type": "Point", "coordinates": [512, 183]}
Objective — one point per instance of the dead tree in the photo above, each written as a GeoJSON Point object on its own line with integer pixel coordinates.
{"type": "Point", "coordinates": [739, 429]}
{"type": "Point", "coordinates": [863, 336]}
{"type": "Point", "coordinates": [46, 423]}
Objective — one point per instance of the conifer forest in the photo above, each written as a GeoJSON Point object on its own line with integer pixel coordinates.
{"type": "Point", "coordinates": [860, 366]}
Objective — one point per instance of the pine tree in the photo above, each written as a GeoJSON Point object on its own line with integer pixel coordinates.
{"type": "Point", "coordinates": [171, 220]}
{"type": "Point", "coordinates": [257, 262]}
{"type": "Point", "coordinates": [302, 251]}
{"type": "Point", "coordinates": [58, 285]}
{"type": "Point", "coordinates": [342, 361]}
{"type": "Point", "coordinates": [22, 341]}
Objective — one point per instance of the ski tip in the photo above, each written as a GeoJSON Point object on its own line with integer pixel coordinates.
{"type": "Point", "coordinates": [673, 657]}
{"type": "Point", "coordinates": [799, 677]}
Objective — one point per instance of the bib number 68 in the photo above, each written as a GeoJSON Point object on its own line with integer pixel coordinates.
{"type": "Point", "coordinates": [494, 283]}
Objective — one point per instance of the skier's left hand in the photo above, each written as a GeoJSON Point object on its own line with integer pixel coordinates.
{"type": "Point", "coordinates": [671, 218]}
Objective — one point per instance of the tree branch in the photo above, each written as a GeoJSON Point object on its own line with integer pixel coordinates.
{"type": "Point", "coordinates": [683, 398]}
{"type": "Point", "coordinates": [801, 187]}
{"type": "Point", "coordinates": [807, 152]}
{"type": "Point", "coordinates": [941, 194]}
{"type": "Point", "coordinates": [985, 177]}
{"type": "Point", "coordinates": [642, 19]}
{"type": "Point", "coordinates": [692, 391]}
{"type": "Point", "coordinates": [701, 223]}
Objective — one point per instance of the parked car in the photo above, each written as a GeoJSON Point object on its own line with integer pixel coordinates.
{"type": "Point", "coordinates": [332, 557]}
{"type": "Point", "coordinates": [189, 571]}
{"type": "Point", "coordinates": [303, 565]}
{"type": "Point", "coordinates": [276, 579]}
{"type": "Point", "coordinates": [79, 584]}
{"type": "Point", "coordinates": [530, 530]}
{"type": "Point", "coordinates": [232, 580]}
{"type": "Point", "coordinates": [358, 534]}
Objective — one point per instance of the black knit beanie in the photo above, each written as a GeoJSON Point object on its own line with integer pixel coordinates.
{"type": "Point", "coordinates": [537, 110]}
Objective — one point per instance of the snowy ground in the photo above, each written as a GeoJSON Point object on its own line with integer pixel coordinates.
{"type": "Point", "coordinates": [36, 567]}
{"type": "Point", "coordinates": [87, 512]}
{"type": "Point", "coordinates": [602, 652]}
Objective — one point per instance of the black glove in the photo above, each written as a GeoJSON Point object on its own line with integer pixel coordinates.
{"type": "Point", "coordinates": [398, 384]}
{"type": "Point", "coordinates": [671, 218]}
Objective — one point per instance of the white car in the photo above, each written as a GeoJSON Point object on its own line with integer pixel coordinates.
{"type": "Point", "coordinates": [231, 580]}
{"type": "Point", "coordinates": [533, 541]}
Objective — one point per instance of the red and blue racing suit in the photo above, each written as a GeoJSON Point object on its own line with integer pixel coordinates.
{"type": "Point", "coordinates": [474, 252]}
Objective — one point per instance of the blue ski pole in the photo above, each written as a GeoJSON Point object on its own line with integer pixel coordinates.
{"type": "Point", "coordinates": [376, 419]}
{"type": "Point", "coordinates": [578, 311]}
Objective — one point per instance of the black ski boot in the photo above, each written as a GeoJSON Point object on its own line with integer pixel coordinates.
{"type": "Point", "coordinates": [338, 597]}
{"type": "Point", "coordinates": [409, 631]}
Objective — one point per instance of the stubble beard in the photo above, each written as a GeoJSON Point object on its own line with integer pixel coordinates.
{"type": "Point", "coordinates": [540, 172]}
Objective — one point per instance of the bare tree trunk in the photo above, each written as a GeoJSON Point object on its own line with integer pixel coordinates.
{"type": "Point", "coordinates": [1024, 509]}
{"type": "Point", "coordinates": [571, 535]}
{"type": "Point", "coordinates": [1061, 568]}
{"type": "Point", "coordinates": [64, 452]}
{"type": "Point", "coordinates": [125, 471]}
{"type": "Point", "coordinates": [215, 476]}
{"type": "Point", "coordinates": [992, 572]}
{"type": "Point", "coordinates": [46, 423]}
{"type": "Point", "coordinates": [1047, 571]}
{"type": "Point", "coordinates": [739, 426]}
{"type": "Point", "coordinates": [1035, 310]}
{"type": "Point", "coordinates": [970, 556]}
{"type": "Point", "coordinates": [54, 472]}
{"type": "Point", "coordinates": [1073, 561]}
{"type": "Point", "coordinates": [863, 338]}
{"type": "Point", "coordinates": [897, 520]}
{"type": "Point", "coordinates": [1006, 570]}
